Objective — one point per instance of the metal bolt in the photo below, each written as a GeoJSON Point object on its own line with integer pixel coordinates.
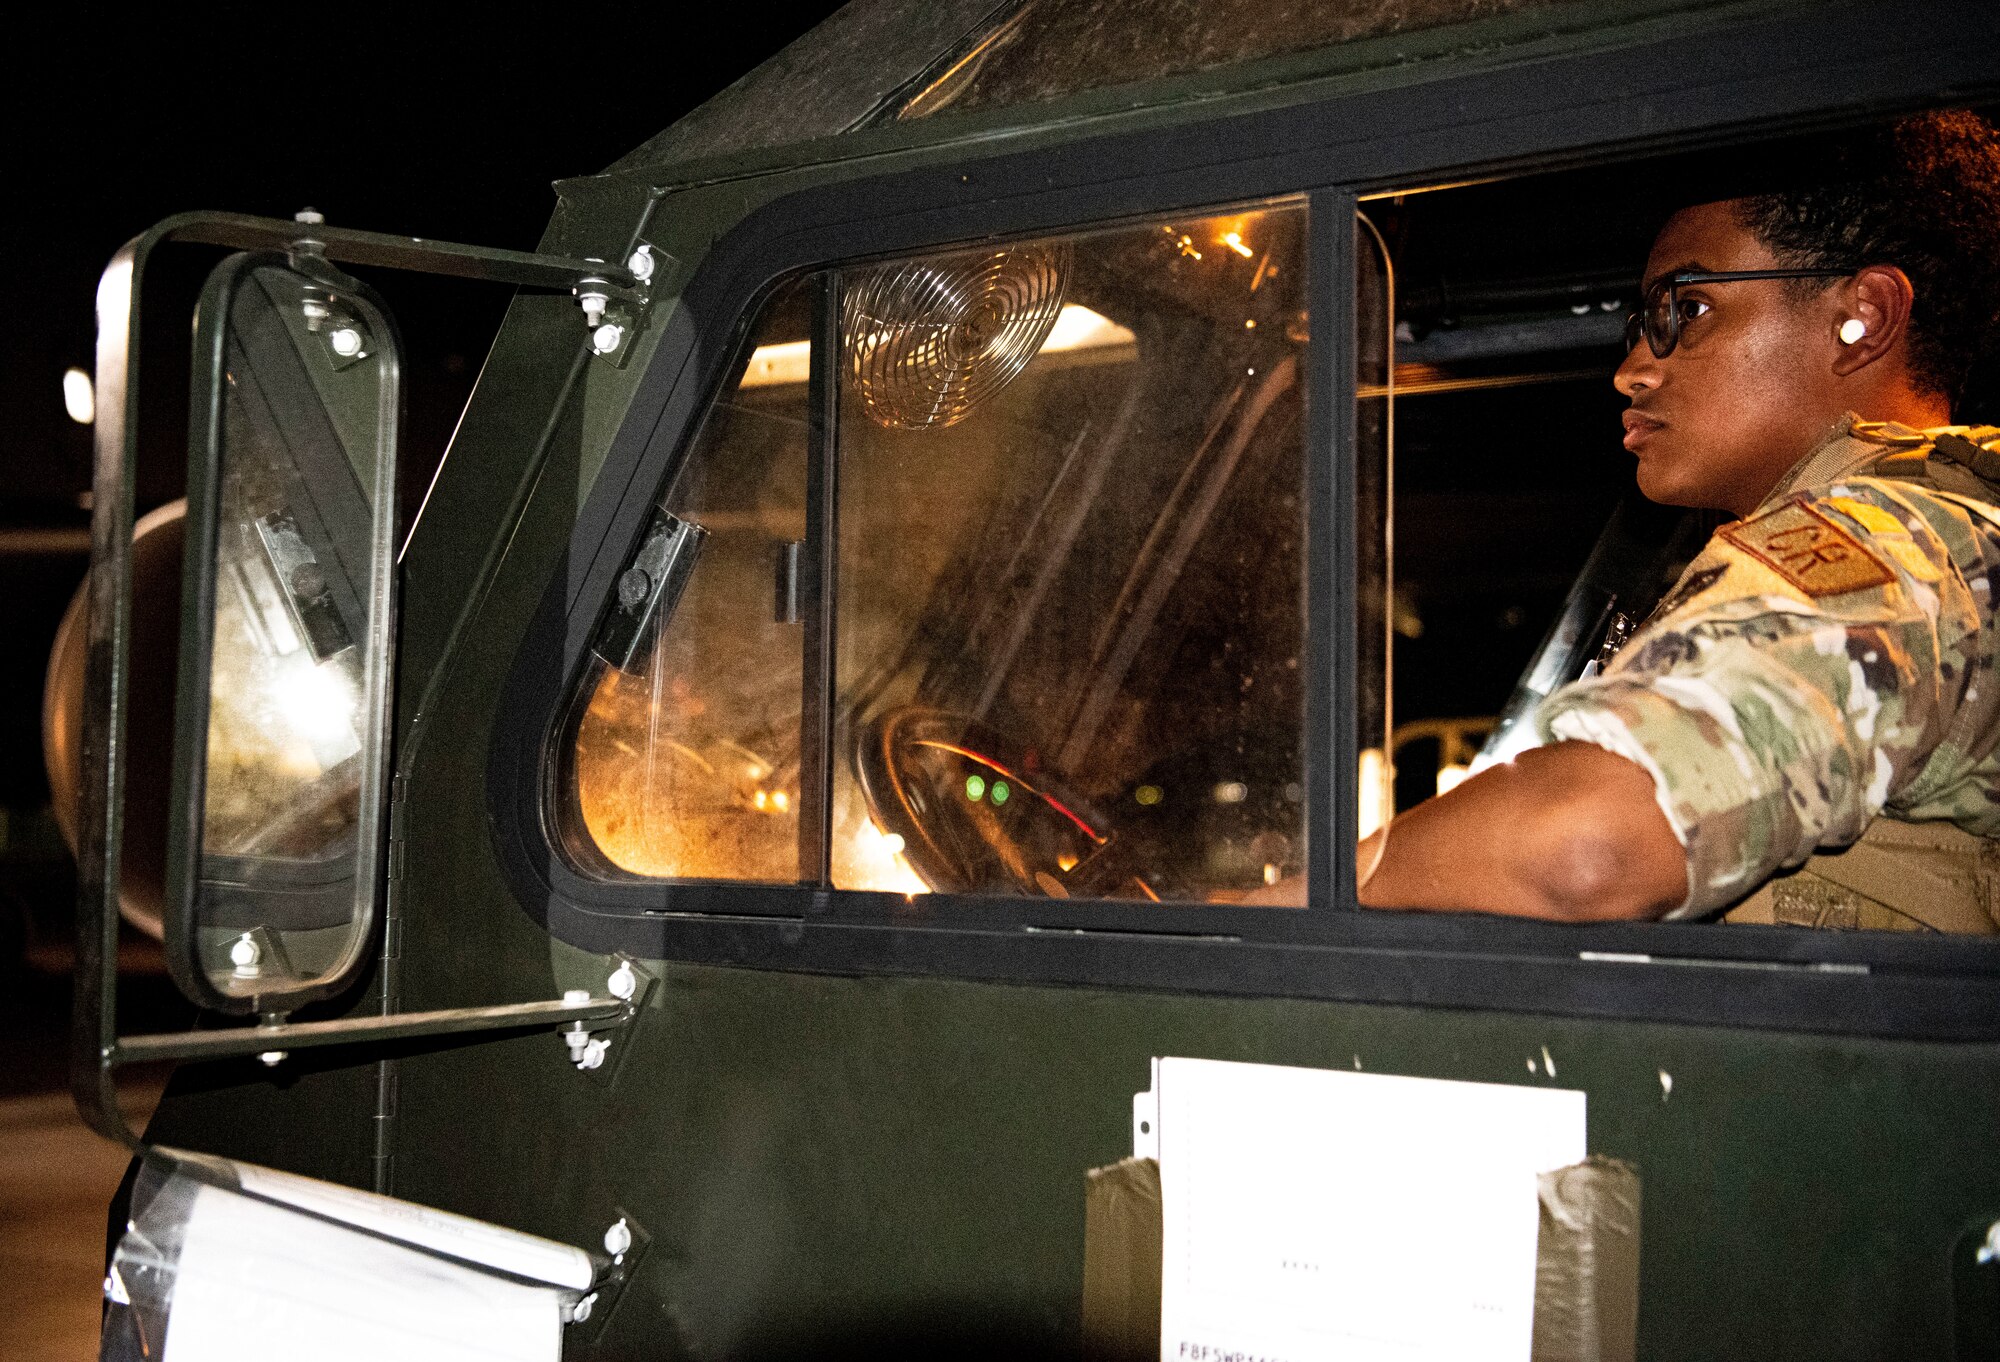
{"type": "Point", "coordinates": [618, 1239]}
{"type": "Point", "coordinates": [346, 342]}
{"type": "Point", "coordinates": [272, 1058]}
{"type": "Point", "coordinates": [580, 1312]}
{"type": "Point", "coordinates": [606, 338]}
{"type": "Point", "coordinates": [1990, 1250]}
{"type": "Point", "coordinates": [633, 587]}
{"type": "Point", "coordinates": [593, 305]}
{"type": "Point", "coordinates": [244, 954]}
{"type": "Point", "coordinates": [316, 313]}
{"type": "Point", "coordinates": [311, 217]}
{"type": "Point", "coordinates": [641, 264]}
{"type": "Point", "coordinates": [623, 982]}
{"type": "Point", "coordinates": [584, 1052]}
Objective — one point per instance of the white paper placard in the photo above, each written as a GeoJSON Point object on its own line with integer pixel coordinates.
{"type": "Point", "coordinates": [1313, 1213]}
{"type": "Point", "coordinates": [256, 1282]}
{"type": "Point", "coordinates": [495, 1246]}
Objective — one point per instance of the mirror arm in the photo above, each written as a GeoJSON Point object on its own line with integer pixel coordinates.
{"type": "Point", "coordinates": [95, 1088]}
{"type": "Point", "coordinates": [526, 269]}
{"type": "Point", "coordinates": [286, 1036]}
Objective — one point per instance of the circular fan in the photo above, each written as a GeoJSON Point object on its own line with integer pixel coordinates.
{"type": "Point", "coordinates": [928, 341]}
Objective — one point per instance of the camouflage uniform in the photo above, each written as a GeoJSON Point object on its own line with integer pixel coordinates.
{"type": "Point", "coordinates": [1824, 661]}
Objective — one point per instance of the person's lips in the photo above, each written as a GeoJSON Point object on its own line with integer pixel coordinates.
{"type": "Point", "coordinates": [1639, 427]}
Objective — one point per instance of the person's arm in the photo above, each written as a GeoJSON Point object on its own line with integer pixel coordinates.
{"type": "Point", "coordinates": [1769, 710]}
{"type": "Point", "coordinates": [1570, 832]}
{"type": "Point", "coordinates": [1764, 713]}
{"type": "Point", "coordinates": [1802, 676]}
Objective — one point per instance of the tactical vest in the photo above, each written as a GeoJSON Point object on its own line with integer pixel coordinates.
{"type": "Point", "coordinates": [1897, 876]}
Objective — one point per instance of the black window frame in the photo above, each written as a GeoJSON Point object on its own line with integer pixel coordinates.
{"type": "Point", "coordinates": [1755, 78]}
{"type": "Point", "coordinates": [817, 590]}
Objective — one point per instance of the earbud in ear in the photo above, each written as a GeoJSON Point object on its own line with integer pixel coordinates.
{"type": "Point", "coordinates": [1852, 330]}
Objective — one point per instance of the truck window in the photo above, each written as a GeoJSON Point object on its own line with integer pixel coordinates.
{"type": "Point", "coordinates": [683, 761]}
{"type": "Point", "coordinates": [1507, 473]}
{"type": "Point", "coordinates": [1066, 572]}
{"type": "Point", "coordinates": [1071, 606]}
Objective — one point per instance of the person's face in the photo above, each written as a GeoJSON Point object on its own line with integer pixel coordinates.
{"type": "Point", "coordinates": [1745, 394]}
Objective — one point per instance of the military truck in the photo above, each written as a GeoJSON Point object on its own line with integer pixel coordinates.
{"type": "Point", "coordinates": [944, 533]}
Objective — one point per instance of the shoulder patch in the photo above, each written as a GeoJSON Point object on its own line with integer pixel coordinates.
{"type": "Point", "coordinates": [1809, 551]}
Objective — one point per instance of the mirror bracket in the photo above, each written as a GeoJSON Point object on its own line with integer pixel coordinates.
{"type": "Point", "coordinates": [613, 311]}
{"type": "Point", "coordinates": [310, 246]}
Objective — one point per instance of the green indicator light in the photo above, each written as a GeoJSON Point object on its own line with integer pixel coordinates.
{"type": "Point", "coordinates": [1148, 795]}
{"type": "Point", "coordinates": [975, 788]}
{"type": "Point", "coordinates": [1000, 792]}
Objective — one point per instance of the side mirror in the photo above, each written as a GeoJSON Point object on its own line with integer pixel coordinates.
{"type": "Point", "coordinates": [282, 762]}
{"type": "Point", "coordinates": [287, 643]}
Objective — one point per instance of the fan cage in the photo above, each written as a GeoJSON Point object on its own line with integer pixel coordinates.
{"type": "Point", "coordinates": [926, 342]}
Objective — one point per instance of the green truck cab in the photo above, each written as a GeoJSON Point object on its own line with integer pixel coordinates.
{"type": "Point", "coordinates": [946, 534]}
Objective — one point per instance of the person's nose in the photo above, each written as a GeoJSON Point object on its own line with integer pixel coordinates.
{"type": "Point", "coordinates": [1639, 373]}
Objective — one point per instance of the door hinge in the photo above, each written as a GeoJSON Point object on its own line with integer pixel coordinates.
{"type": "Point", "coordinates": [397, 790]}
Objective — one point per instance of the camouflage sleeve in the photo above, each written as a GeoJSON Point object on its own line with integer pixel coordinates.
{"type": "Point", "coordinates": [1804, 670]}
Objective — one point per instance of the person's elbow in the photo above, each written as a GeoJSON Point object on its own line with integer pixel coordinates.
{"type": "Point", "coordinates": [1585, 873]}
{"type": "Point", "coordinates": [1570, 832]}
{"type": "Point", "coordinates": [1600, 849]}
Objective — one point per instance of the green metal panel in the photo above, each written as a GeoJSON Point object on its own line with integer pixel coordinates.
{"type": "Point", "coordinates": [819, 1154]}
{"type": "Point", "coordinates": [816, 1156]}
{"type": "Point", "coordinates": [314, 1116]}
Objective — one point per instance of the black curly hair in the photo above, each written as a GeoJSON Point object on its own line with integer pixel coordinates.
{"type": "Point", "coordinates": [1922, 193]}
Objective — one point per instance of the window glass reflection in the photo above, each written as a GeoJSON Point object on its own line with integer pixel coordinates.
{"type": "Point", "coordinates": [685, 759]}
{"type": "Point", "coordinates": [1070, 595]}
{"type": "Point", "coordinates": [304, 397]}
{"type": "Point", "coordinates": [1065, 553]}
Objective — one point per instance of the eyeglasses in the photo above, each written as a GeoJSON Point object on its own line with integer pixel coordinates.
{"type": "Point", "coordinates": [1659, 320]}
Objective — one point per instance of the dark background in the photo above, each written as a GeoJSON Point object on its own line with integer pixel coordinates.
{"type": "Point", "coordinates": [449, 126]}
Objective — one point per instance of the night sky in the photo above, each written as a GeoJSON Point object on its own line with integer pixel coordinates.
{"type": "Point", "coordinates": [445, 128]}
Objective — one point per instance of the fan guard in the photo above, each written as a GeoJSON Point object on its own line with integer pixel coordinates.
{"type": "Point", "coordinates": [928, 341]}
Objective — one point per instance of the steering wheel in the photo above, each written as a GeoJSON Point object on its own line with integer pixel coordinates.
{"type": "Point", "coordinates": [975, 811]}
